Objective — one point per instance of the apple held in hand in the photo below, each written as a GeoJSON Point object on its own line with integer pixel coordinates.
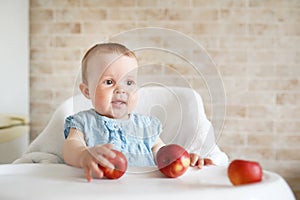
{"type": "Point", "coordinates": [172, 160]}
{"type": "Point", "coordinates": [120, 163]}
{"type": "Point", "coordinates": [243, 172]}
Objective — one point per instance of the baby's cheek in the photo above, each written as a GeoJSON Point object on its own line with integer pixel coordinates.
{"type": "Point", "coordinates": [100, 105]}
{"type": "Point", "coordinates": [132, 102]}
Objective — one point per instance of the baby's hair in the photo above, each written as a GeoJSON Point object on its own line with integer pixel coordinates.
{"type": "Point", "coordinates": [103, 48]}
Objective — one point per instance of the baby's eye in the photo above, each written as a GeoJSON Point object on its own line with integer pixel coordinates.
{"type": "Point", "coordinates": [108, 82]}
{"type": "Point", "coordinates": [130, 82]}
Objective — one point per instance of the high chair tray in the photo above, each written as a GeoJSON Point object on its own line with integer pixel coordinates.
{"type": "Point", "coordinates": [59, 181]}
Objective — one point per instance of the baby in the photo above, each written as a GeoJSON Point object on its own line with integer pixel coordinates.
{"type": "Point", "coordinates": [109, 80]}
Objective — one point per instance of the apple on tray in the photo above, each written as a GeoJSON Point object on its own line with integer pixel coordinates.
{"type": "Point", "coordinates": [244, 172]}
{"type": "Point", "coordinates": [172, 160]}
{"type": "Point", "coordinates": [120, 164]}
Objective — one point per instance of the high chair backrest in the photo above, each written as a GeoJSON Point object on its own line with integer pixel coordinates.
{"type": "Point", "coordinates": [179, 109]}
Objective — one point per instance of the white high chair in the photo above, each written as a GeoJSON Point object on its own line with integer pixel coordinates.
{"type": "Point", "coordinates": [179, 109]}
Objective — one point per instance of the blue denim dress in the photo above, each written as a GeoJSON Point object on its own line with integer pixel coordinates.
{"type": "Point", "coordinates": [133, 137]}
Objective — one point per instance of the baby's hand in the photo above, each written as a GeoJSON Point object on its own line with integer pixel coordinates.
{"type": "Point", "coordinates": [198, 161]}
{"type": "Point", "coordinates": [93, 156]}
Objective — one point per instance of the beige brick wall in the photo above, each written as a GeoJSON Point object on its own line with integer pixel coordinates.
{"type": "Point", "coordinates": [254, 43]}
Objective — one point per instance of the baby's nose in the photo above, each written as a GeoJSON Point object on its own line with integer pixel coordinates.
{"type": "Point", "coordinates": [119, 90]}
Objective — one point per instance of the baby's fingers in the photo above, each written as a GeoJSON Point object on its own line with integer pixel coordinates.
{"type": "Point", "coordinates": [196, 160]}
{"type": "Point", "coordinates": [104, 162]}
{"type": "Point", "coordinates": [101, 153]}
{"type": "Point", "coordinates": [92, 169]}
{"type": "Point", "coordinates": [208, 161]}
{"type": "Point", "coordinates": [105, 150]}
{"type": "Point", "coordinates": [88, 174]}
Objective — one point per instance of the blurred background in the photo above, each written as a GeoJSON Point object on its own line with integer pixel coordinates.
{"type": "Point", "coordinates": [254, 44]}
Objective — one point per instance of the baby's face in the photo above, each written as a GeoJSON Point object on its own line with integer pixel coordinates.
{"type": "Point", "coordinates": [113, 89]}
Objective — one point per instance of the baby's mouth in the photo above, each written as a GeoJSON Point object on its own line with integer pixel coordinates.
{"type": "Point", "coordinates": [119, 103]}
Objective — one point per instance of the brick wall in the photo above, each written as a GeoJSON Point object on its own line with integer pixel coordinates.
{"type": "Point", "coordinates": [254, 43]}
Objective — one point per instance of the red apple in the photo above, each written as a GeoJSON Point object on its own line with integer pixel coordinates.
{"type": "Point", "coordinates": [172, 160]}
{"type": "Point", "coordinates": [244, 171]}
{"type": "Point", "coordinates": [120, 163]}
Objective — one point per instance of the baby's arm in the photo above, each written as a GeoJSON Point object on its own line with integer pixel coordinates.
{"type": "Point", "coordinates": [76, 153]}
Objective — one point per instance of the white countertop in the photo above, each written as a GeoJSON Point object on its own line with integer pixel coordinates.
{"type": "Point", "coordinates": [58, 181]}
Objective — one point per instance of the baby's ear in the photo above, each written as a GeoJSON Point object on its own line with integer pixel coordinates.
{"type": "Point", "coordinates": [84, 90]}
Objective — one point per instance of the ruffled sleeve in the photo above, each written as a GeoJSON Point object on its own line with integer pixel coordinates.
{"type": "Point", "coordinates": [73, 121]}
